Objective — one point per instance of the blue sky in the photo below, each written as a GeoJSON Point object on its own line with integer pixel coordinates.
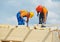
{"type": "Point", "coordinates": [9, 9]}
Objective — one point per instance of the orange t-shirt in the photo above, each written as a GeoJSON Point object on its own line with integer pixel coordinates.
{"type": "Point", "coordinates": [45, 10]}
{"type": "Point", "coordinates": [24, 14]}
{"type": "Point", "coordinates": [45, 13]}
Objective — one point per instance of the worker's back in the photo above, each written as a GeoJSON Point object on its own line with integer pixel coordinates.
{"type": "Point", "coordinates": [45, 10]}
{"type": "Point", "coordinates": [23, 13]}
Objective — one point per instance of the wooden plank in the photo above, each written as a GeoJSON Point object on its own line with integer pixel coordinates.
{"type": "Point", "coordinates": [48, 37]}
{"type": "Point", "coordinates": [0, 40]}
{"type": "Point", "coordinates": [59, 34]}
{"type": "Point", "coordinates": [18, 34]}
{"type": "Point", "coordinates": [55, 36]}
{"type": "Point", "coordinates": [4, 25]}
{"type": "Point", "coordinates": [37, 26]}
{"type": "Point", "coordinates": [4, 32]}
{"type": "Point", "coordinates": [38, 36]}
{"type": "Point", "coordinates": [5, 41]}
{"type": "Point", "coordinates": [15, 41]}
{"type": "Point", "coordinates": [9, 41]}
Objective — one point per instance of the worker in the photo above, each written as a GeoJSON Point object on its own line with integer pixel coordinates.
{"type": "Point", "coordinates": [23, 13]}
{"type": "Point", "coordinates": [42, 13]}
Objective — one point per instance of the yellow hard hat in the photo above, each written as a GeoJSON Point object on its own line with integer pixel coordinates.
{"type": "Point", "coordinates": [31, 14]}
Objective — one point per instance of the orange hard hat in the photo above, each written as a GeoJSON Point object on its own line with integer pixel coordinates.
{"type": "Point", "coordinates": [39, 8]}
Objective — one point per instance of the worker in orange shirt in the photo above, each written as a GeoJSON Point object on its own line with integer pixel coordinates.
{"type": "Point", "coordinates": [23, 13]}
{"type": "Point", "coordinates": [42, 13]}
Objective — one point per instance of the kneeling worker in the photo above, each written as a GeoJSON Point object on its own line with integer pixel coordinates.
{"type": "Point", "coordinates": [23, 13]}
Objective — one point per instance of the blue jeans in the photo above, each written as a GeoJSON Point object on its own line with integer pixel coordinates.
{"type": "Point", "coordinates": [41, 18]}
{"type": "Point", "coordinates": [20, 20]}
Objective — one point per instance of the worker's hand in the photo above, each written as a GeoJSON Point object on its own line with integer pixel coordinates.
{"type": "Point", "coordinates": [44, 21]}
{"type": "Point", "coordinates": [37, 14]}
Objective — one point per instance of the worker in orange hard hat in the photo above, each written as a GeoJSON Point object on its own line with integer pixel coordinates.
{"type": "Point", "coordinates": [24, 13]}
{"type": "Point", "coordinates": [42, 13]}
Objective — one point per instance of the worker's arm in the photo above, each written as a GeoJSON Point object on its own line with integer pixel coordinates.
{"type": "Point", "coordinates": [28, 17]}
{"type": "Point", "coordinates": [45, 17]}
{"type": "Point", "coordinates": [37, 13]}
{"type": "Point", "coordinates": [27, 20]}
